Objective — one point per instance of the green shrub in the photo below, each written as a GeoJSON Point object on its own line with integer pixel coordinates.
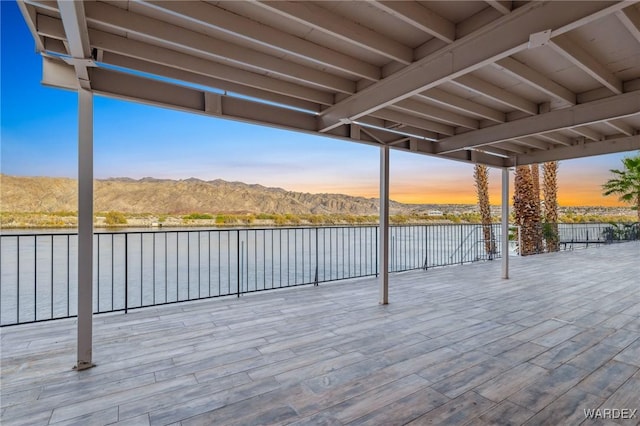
{"type": "Point", "coordinates": [280, 220]}
{"type": "Point", "coordinates": [224, 219]}
{"type": "Point", "coordinates": [265, 216]}
{"type": "Point", "coordinates": [64, 214]}
{"type": "Point", "coordinates": [115, 218]}
{"type": "Point", "coordinates": [196, 216]}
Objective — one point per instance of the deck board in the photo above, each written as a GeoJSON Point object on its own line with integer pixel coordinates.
{"type": "Point", "coordinates": [456, 345]}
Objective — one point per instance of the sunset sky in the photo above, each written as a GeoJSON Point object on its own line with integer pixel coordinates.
{"type": "Point", "coordinates": [39, 138]}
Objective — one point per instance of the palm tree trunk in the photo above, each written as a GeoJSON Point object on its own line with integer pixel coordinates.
{"type": "Point", "coordinates": [551, 236]}
{"type": "Point", "coordinates": [535, 180]}
{"type": "Point", "coordinates": [526, 213]}
{"type": "Point", "coordinates": [481, 176]}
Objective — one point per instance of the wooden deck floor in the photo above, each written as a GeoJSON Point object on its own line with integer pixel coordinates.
{"type": "Point", "coordinates": [456, 345]}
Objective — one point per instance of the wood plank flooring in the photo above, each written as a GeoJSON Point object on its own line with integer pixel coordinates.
{"type": "Point", "coordinates": [456, 345]}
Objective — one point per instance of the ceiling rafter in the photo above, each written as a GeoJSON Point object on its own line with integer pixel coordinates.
{"type": "Point", "coordinates": [499, 39]}
{"type": "Point", "coordinates": [496, 93]}
{"type": "Point", "coordinates": [160, 55]}
{"type": "Point", "coordinates": [171, 36]}
{"type": "Point", "coordinates": [502, 6]}
{"type": "Point", "coordinates": [202, 66]}
{"type": "Point", "coordinates": [556, 138]}
{"type": "Point", "coordinates": [411, 120]}
{"type": "Point", "coordinates": [536, 79]}
{"type": "Point", "coordinates": [238, 26]}
{"type": "Point", "coordinates": [420, 17]}
{"type": "Point", "coordinates": [340, 27]}
{"type": "Point", "coordinates": [414, 131]}
{"type": "Point", "coordinates": [578, 56]}
{"type": "Point", "coordinates": [510, 146]}
{"type": "Point", "coordinates": [30, 11]}
{"type": "Point", "coordinates": [579, 115]}
{"type": "Point", "coordinates": [140, 65]}
{"type": "Point", "coordinates": [533, 142]}
{"type": "Point", "coordinates": [622, 127]}
{"type": "Point", "coordinates": [587, 149]}
{"type": "Point", "coordinates": [586, 132]}
{"type": "Point", "coordinates": [630, 18]}
{"type": "Point", "coordinates": [462, 104]}
{"type": "Point", "coordinates": [431, 112]}
{"type": "Point", "coordinates": [190, 77]}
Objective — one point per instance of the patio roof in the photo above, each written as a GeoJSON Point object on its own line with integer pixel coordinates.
{"type": "Point", "coordinates": [496, 82]}
{"type": "Point", "coordinates": [459, 345]}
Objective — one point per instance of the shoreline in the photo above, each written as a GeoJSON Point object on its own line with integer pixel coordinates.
{"type": "Point", "coordinates": [454, 214]}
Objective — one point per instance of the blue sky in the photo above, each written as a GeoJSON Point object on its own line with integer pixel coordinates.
{"type": "Point", "coordinates": [39, 138]}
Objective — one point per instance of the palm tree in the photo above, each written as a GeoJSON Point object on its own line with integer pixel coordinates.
{"type": "Point", "coordinates": [526, 211]}
{"type": "Point", "coordinates": [626, 183]}
{"type": "Point", "coordinates": [550, 179]}
{"type": "Point", "coordinates": [481, 176]}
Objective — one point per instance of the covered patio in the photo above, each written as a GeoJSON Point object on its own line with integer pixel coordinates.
{"type": "Point", "coordinates": [458, 345]}
{"type": "Point", "coordinates": [499, 83]}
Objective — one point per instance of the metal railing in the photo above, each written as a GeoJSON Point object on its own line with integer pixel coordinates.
{"type": "Point", "coordinates": [38, 271]}
{"type": "Point", "coordinates": [571, 236]}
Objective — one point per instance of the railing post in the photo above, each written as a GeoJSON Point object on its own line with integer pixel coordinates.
{"type": "Point", "coordinates": [126, 272]}
{"type": "Point", "coordinates": [35, 277]}
{"type": "Point", "coordinates": [377, 251]}
{"type": "Point", "coordinates": [491, 242]}
{"type": "Point", "coordinates": [393, 251]}
{"type": "Point", "coordinates": [317, 259]}
{"type": "Point", "coordinates": [238, 259]}
{"type": "Point", "coordinates": [461, 246]}
{"type": "Point", "coordinates": [426, 247]}
{"type": "Point", "coordinates": [315, 281]}
{"type": "Point", "coordinates": [18, 282]}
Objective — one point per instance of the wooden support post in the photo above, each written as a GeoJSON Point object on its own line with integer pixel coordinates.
{"type": "Point", "coordinates": [505, 223]}
{"type": "Point", "coordinates": [384, 225]}
{"type": "Point", "coordinates": [85, 229]}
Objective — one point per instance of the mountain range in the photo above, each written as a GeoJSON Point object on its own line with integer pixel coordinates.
{"type": "Point", "coordinates": [167, 196]}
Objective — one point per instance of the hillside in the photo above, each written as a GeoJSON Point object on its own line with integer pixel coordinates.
{"type": "Point", "coordinates": [149, 195]}
{"type": "Point", "coordinates": [47, 196]}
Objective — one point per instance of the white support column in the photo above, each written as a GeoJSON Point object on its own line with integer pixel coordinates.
{"type": "Point", "coordinates": [505, 223]}
{"type": "Point", "coordinates": [384, 225]}
{"type": "Point", "coordinates": [85, 228]}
